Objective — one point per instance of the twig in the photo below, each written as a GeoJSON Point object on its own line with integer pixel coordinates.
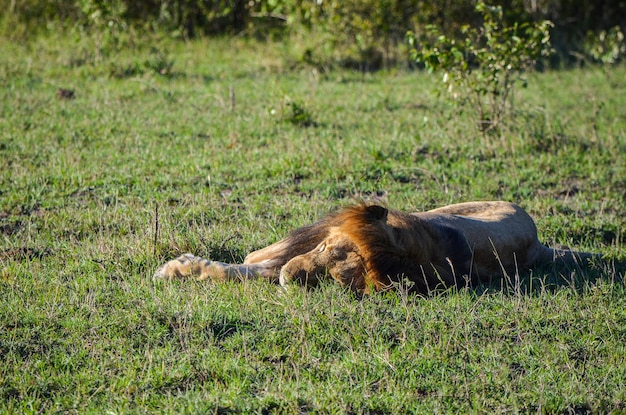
{"type": "Point", "coordinates": [232, 97]}
{"type": "Point", "coordinates": [156, 227]}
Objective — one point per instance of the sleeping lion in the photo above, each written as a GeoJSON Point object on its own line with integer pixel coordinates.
{"type": "Point", "coordinates": [368, 247]}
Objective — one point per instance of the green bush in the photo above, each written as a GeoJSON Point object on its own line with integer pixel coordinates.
{"type": "Point", "coordinates": [485, 65]}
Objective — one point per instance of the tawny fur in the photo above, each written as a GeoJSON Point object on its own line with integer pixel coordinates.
{"type": "Point", "coordinates": [370, 247]}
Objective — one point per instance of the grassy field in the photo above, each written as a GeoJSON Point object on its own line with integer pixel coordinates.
{"type": "Point", "coordinates": [222, 147]}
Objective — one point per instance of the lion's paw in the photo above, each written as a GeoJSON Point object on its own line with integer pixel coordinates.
{"type": "Point", "coordinates": [176, 268]}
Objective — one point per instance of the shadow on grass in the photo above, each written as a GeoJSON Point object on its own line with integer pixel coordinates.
{"type": "Point", "coordinates": [555, 276]}
{"type": "Point", "coordinates": [225, 328]}
{"type": "Point", "coordinates": [535, 282]}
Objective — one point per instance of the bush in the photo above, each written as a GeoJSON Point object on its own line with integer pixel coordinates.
{"type": "Point", "coordinates": [485, 65]}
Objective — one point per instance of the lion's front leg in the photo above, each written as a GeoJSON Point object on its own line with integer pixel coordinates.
{"type": "Point", "coordinates": [189, 265]}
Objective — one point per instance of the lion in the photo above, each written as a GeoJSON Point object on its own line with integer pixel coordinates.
{"type": "Point", "coordinates": [368, 247]}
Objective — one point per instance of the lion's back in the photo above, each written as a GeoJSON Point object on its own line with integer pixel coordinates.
{"type": "Point", "coordinates": [488, 210]}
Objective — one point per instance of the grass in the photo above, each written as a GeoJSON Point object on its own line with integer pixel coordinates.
{"type": "Point", "coordinates": [228, 145]}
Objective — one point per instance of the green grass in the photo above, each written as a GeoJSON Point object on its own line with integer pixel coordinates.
{"type": "Point", "coordinates": [84, 329]}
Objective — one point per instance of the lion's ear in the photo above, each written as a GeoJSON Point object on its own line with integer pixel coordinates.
{"type": "Point", "coordinates": [376, 212]}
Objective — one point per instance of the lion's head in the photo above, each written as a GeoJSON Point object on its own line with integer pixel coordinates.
{"type": "Point", "coordinates": [336, 257]}
{"type": "Point", "coordinates": [349, 252]}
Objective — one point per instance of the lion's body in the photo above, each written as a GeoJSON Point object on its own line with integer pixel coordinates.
{"type": "Point", "coordinates": [370, 247]}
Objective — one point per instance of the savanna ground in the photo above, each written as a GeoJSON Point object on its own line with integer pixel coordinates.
{"type": "Point", "coordinates": [221, 147]}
